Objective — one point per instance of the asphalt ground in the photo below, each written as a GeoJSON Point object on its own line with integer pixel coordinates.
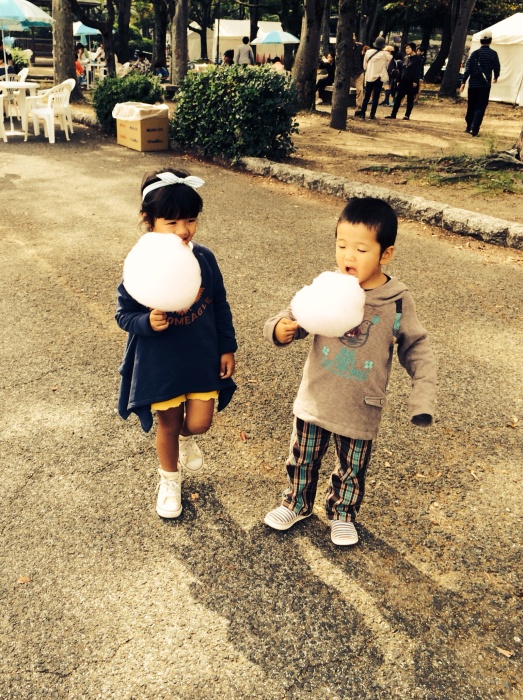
{"type": "Point", "coordinates": [103, 599]}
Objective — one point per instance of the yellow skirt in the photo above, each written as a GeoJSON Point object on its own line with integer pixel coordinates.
{"type": "Point", "coordinates": [178, 400]}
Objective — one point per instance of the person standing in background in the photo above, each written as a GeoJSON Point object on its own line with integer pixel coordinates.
{"type": "Point", "coordinates": [357, 73]}
{"type": "Point", "coordinates": [409, 81]}
{"type": "Point", "coordinates": [375, 64]}
{"type": "Point", "coordinates": [482, 64]}
{"type": "Point", "coordinates": [244, 54]}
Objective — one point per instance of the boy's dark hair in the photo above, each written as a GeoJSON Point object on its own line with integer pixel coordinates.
{"type": "Point", "coordinates": [412, 46]}
{"type": "Point", "coordinates": [170, 202]}
{"type": "Point", "coordinates": [374, 213]}
{"type": "Point", "coordinates": [245, 39]}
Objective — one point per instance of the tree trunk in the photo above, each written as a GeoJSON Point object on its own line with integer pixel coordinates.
{"type": "Point", "coordinates": [425, 36]}
{"type": "Point", "coordinates": [122, 31]}
{"type": "Point", "coordinates": [325, 29]}
{"type": "Point", "coordinates": [364, 16]}
{"type": "Point", "coordinates": [63, 44]}
{"type": "Point", "coordinates": [451, 79]}
{"type": "Point", "coordinates": [180, 51]}
{"type": "Point", "coordinates": [519, 145]}
{"type": "Point", "coordinates": [159, 31]}
{"type": "Point", "coordinates": [342, 75]}
{"type": "Point", "coordinates": [371, 26]}
{"type": "Point", "coordinates": [405, 29]}
{"type": "Point", "coordinates": [306, 63]}
{"type": "Point", "coordinates": [254, 16]}
{"type": "Point", "coordinates": [290, 17]}
{"type": "Point", "coordinates": [446, 37]}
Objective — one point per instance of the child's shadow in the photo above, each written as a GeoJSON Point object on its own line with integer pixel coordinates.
{"type": "Point", "coordinates": [305, 633]}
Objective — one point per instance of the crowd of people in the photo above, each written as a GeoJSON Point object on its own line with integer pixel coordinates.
{"type": "Point", "coordinates": [382, 68]}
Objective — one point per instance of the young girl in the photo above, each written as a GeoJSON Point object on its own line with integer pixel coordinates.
{"type": "Point", "coordinates": [177, 363]}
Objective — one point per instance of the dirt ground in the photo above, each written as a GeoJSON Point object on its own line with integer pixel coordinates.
{"type": "Point", "coordinates": [102, 599]}
{"type": "Point", "coordinates": [435, 129]}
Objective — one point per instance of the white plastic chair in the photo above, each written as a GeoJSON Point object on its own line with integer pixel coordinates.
{"type": "Point", "coordinates": [50, 105]}
{"type": "Point", "coordinates": [13, 106]}
{"type": "Point", "coordinates": [2, 128]}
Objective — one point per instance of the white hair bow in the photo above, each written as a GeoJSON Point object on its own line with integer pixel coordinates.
{"type": "Point", "coordinates": [172, 179]}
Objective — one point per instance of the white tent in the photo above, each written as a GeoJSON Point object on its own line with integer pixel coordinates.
{"type": "Point", "coordinates": [232, 32]}
{"type": "Point", "coordinates": [195, 43]}
{"type": "Point", "coordinates": [507, 41]}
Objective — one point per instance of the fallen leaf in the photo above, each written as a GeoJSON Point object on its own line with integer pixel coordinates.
{"type": "Point", "coordinates": [505, 652]}
{"type": "Point", "coordinates": [474, 474]}
{"type": "Point", "coordinates": [23, 579]}
{"type": "Point", "coordinates": [387, 464]}
{"type": "Point", "coordinates": [514, 423]}
{"type": "Point", "coordinates": [195, 496]}
{"type": "Point", "coordinates": [243, 436]}
{"type": "Point", "coordinates": [54, 388]}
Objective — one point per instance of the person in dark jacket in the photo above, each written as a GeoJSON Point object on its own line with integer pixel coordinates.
{"type": "Point", "coordinates": [177, 363]}
{"type": "Point", "coordinates": [482, 64]}
{"type": "Point", "coordinates": [328, 65]}
{"type": "Point", "coordinates": [409, 81]}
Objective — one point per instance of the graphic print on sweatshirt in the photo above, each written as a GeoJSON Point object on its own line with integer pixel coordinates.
{"type": "Point", "coordinates": [190, 315]}
{"type": "Point", "coordinates": [343, 364]}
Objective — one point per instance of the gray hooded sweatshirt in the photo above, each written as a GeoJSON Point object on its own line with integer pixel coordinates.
{"type": "Point", "coordinates": [345, 379]}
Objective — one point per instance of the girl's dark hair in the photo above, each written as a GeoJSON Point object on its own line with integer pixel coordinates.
{"type": "Point", "coordinates": [170, 202]}
{"type": "Point", "coordinates": [374, 213]}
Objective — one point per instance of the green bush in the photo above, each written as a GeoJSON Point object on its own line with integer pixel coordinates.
{"type": "Point", "coordinates": [133, 88]}
{"type": "Point", "coordinates": [236, 111]}
{"type": "Point", "coordinates": [20, 60]}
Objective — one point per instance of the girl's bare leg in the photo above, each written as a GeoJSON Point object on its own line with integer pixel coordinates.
{"type": "Point", "coordinates": [198, 416]}
{"type": "Point", "coordinates": [170, 424]}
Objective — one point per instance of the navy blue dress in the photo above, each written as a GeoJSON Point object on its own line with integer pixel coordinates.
{"type": "Point", "coordinates": [160, 365]}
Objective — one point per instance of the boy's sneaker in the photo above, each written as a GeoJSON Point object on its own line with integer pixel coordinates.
{"type": "Point", "coordinates": [343, 533]}
{"type": "Point", "coordinates": [281, 518]}
{"type": "Point", "coordinates": [169, 503]}
{"type": "Point", "coordinates": [190, 456]}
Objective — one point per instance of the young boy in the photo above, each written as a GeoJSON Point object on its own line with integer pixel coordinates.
{"type": "Point", "coordinates": [344, 382]}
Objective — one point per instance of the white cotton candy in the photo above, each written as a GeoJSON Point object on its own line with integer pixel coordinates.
{"type": "Point", "coordinates": [162, 272]}
{"type": "Point", "coordinates": [332, 305]}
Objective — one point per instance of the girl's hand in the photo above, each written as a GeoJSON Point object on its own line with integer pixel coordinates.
{"type": "Point", "coordinates": [285, 330]}
{"type": "Point", "coordinates": [227, 364]}
{"type": "Point", "coordinates": [158, 320]}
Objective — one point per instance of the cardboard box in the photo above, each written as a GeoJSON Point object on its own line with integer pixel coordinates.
{"type": "Point", "coordinates": [148, 134]}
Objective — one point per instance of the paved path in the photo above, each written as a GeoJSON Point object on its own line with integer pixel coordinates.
{"type": "Point", "coordinates": [102, 599]}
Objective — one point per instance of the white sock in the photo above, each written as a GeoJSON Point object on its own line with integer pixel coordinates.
{"type": "Point", "coordinates": [169, 475]}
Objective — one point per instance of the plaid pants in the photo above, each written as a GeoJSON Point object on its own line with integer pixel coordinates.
{"type": "Point", "coordinates": [346, 487]}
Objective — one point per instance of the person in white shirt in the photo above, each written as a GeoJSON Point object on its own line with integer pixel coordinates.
{"type": "Point", "coordinates": [375, 64]}
{"type": "Point", "coordinates": [244, 53]}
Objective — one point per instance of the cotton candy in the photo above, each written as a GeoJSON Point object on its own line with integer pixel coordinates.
{"type": "Point", "coordinates": [332, 305]}
{"type": "Point", "coordinates": [162, 272]}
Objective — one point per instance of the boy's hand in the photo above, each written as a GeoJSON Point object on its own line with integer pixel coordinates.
{"type": "Point", "coordinates": [285, 330]}
{"type": "Point", "coordinates": [158, 320]}
{"type": "Point", "coordinates": [227, 364]}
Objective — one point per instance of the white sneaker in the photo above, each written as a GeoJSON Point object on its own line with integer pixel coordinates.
{"type": "Point", "coordinates": [190, 456]}
{"type": "Point", "coordinates": [281, 518]}
{"type": "Point", "coordinates": [343, 533]}
{"type": "Point", "coordinates": [169, 503]}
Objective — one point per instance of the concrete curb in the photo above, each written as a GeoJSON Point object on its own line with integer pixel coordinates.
{"type": "Point", "coordinates": [460, 221]}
